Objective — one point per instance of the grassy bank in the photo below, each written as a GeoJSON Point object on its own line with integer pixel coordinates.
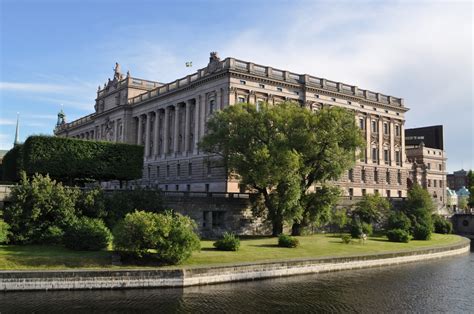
{"type": "Point", "coordinates": [251, 250]}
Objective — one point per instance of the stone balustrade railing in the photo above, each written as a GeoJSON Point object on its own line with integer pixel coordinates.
{"type": "Point", "coordinates": [77, 122]}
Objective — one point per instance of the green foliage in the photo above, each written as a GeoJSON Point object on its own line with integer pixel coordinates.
{"type": "Point", "coordinates": [172, 235]}
{"type": "Point", "coordinates": [92, 203]}
{"type": "Point", "coordinates": [12, 164]}
{"type": "Point", "coordinates": [398, 220]}
{"type": "Point", "coordinates": [340, 218]}
{"type": "Point", "coordinates": [346, 239]}
{"type": "Point", "coordinates": [372, 209]}
{"type": "Point", "coordinates": [120, 203]}
{"type": "Point", "coordinates": [228, 242]}
{"type": "Point", "coordinates": [4, 231]}
{"type": "Point", "coordinates": [418, 208]}
{"type": "Point", "coordinates": [37, 204]}
{"type": "Point", "coordinates": [53, 235]}
{"type": "Point", "coordinates": [422, 231]}
{"type": "Point", "coordinates": [398, 235]}
{"type": "Point", "coordinates": [87, 234]}
{"type": "Point", "coordinates": [470, 187]}
{"type": "Point", "coordinates": [280, 151]}
{"type": "Point", "coordinates": [463, 202]}
{"type": "Point", "coordinates": [68, 159]}
{"type": "Point", "coordinates": [359, 228]}
{"type": "Point", "coordinates": [442, 225]}
{"type": "Point", "coordinates": [287, 241]}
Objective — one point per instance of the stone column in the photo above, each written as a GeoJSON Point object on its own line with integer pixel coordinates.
{"type": "Point", "coordinates": [231, 96]}
{"type": "Point", "coordinates": [203, 119]}
{"type": "Point", "coordinates": [381, 150]}
{"type": "Point", "coordinates": [147, 135]}
{"type": "Point", "coordinates": [116, 131]}
{"type": "Point", "coordinates": [187, 127]}
{"type": "Point", "coordinates": [176, 129]}
{"type": "Point", "coordinates": [403, 153]}
{"type": "Point", "coordinates": [139, 133]}
{"type": "Point", "coordinates": [392, 144]}
{"type": "Point", "coordinates": [156, 129]}
{"type": "Point", "coordinates": [218, 99]}
{"type": "Point", "coordinates": [368, 129]}
{"type": "Point", "coordinates": [196, 124]}
{"type": "Point", "coordinates": [166, 131]}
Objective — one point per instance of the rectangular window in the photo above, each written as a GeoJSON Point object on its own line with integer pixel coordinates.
{"type": "Point", "coordinates": [374, 154]}
{"type": "Point", "coordinates": [241, 99]}
{"type": "Point", "coordinates": [351, 192]}
{"type": "Point", "coordinates": [351, 175]}
{"type": "Point", "coordinates": [386, 155]}
{"type": "Point", "coordinates": [387, 177]}
{"type": "Point", "coordinates": [316, 95]}
{"type": "Point", "coordinates": [166, 187]}
{"type": "Point", "coordinates": [190, 169]}
{"type": "Point", "coordinates": [440, 167]}
{"type": "Point", "coordinates": [385, 129]}
{"type": "Point", "coordinates": [364, 192]}
{"type": "Point", "coordinates": [361, 123]}
{"type": "Point", "coordinates": [362, 155]}
{"type": "Point", "coordinates": [279, 89]}
{"type": "Point", "coordinates": [262, 86]}
{"type": "Point", "coordinates": [167, 170]}
{"type": "Point", "coordinates": [399, 193]}
{"type": "Point", "coordinates": [157, 171]}
{"type": "Point", "coordinates": [399, 177]}
{"type": "Point", "coordinates": [207, 187]}
{"type": "Point", "coordinates": [349, 102]}
{"type": "Point", "coordinates": [397, 157]}
{"type": "Point", "coordinates": [218, 219]}
{"type": "Point", "coordinates": [376, 175]}
{"type": "Point", "coordinates": [440, 183]}
{"type": "Point", "coordinates": [188, 187]}
{"type": "Point", "coordinates": [178, 170]}
{"type": "Point", "coordinates": [177, 187]}
{"type": "Point", "coordinates": [429, 183]}
{"type": "Point", "coordinates": [212, 104]}
{"type": "Point", "coordinates": [362, 175]}
{"type": "Point", "coordinates": [296, 92]}
{"type": "Point", "coordinates": [429, 166]}
{"type": "Point", "coordinates": [208, 167]}
{"type": "Point", "coordinates": [243, 82]}
{"type": "Point", "coordinates": [374, 126]}
{"type": "Point", "coordinates": [434, 183]}
{"type": "Point", "coordinates": [388, 193]}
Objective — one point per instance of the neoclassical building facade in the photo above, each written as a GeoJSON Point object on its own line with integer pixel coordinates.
{"type": "Point", "coordinates": [170, 119]}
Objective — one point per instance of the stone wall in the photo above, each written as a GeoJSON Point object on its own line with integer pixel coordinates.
{"type": "Point", "coordinates": [162, 278]}
{"type": "Point", "coordinates": [463, 224]}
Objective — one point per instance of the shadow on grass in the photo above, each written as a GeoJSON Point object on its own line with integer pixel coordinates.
{"type": "Point", "coordinates": [267, 245]}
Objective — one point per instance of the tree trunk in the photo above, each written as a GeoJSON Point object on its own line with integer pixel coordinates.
{"type": "Point", "coordinates": [277, 228]}
{"type": "Point", "coordinates": [296, 229]}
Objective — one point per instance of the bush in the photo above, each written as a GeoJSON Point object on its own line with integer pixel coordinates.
{"type": "Point", "coordinates": [91, 203]}
{"type": "Point", "coordinates": [52, 236]}
{"type": "Point", "coordinates": [287, 241]}
{"type": "Point", "coordinates": [37, 204]}
{"type": "Point", "coordinates": [442, 225]}
{"type": "Point", "coordinates": [346, 239]}
{"type": "Point", "coordinates": [229, 242]}
{"type": "Point", "coordinates": [87, 234]}
{"type": "Point", "coordinates": [422, 231]}
{"type": "Point", "coordinates": [358, 228]}
{"type": "Point", "coordinates": [172, 235]}
{"type": "Point", "coordinates": [398, 220]}
{"type": "Point", "coordinates": [12, 164]}
{"type": "Point", "coordinates": [4, 231]}
{"type": "Point", "coordinates": [398, 235]}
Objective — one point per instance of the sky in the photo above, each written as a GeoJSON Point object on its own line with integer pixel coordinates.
{"type": "Point", "coordinates": [54, 54]}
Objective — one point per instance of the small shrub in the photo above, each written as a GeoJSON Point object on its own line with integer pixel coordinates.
{"type": "Point", "coordinates": [87, 234]}
{"type": "Point", "coordinates": [52, 236]}
{"type": "Point", "coordinates": [422, 231]}
{"type": "Point", "coordinates": [358, 228]}
{"type": "Point", "coordinates": [4, 231]}
{"type": "Point", "coordinates": [442, 225]}
{"type": "Point", "coordinates": [346, 239]}
{"type": "Point", "coordinates": [398, 235]}
{"type": "Point", "coordinates": [398, 220]}
{"type": "Point", "coordinates": [229, 242]}
{"type": "Point", "coordinates": [287, 241]}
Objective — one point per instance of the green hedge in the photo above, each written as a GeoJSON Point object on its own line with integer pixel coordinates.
{"type": "Point", "coordinates": [12, 164]}
{"type": "Point", "coordinates": [68, 159]}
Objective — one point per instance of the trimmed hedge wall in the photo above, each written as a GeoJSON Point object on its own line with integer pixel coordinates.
{"type": "Point", "coordinates": [12, 164]}
{"type": "Point", "coordinates": [67, 159]}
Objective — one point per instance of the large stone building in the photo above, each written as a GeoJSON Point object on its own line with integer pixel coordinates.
{"type": "Point", "coordinates": [169, 120]}
{"type": "Point", "coordinates": [425, 152]}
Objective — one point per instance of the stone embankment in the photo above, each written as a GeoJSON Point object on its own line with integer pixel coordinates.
{"type": "Point", "coordinates": [161, 278]}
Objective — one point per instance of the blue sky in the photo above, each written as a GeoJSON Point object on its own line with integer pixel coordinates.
{"type": "Point", "coordinates": [58, 52]}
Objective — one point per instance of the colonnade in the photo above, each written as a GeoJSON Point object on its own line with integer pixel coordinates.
{"type": "Point", "coordinates": [175, 129]}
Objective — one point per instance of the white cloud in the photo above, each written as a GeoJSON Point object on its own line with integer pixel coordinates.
{"type": "Point", "coordinates": [35, 87]}
{"type": "Point", "coordinates": [7, 122]}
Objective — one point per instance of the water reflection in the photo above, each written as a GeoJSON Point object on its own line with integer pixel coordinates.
{"type": "Point", "coordinates": [445, 285]}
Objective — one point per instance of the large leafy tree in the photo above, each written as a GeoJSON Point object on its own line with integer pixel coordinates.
{"type": "Point", "coordinates": [281, 151]}
{"type": "Point", "coordinates": [470, 187]}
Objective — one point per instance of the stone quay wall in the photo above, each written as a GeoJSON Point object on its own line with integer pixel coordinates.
{"type": "Point", "coordinates": [165, 278]}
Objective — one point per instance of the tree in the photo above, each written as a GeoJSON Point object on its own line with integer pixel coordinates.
{"type": "Point", "coordinates": [372, 209]}
{"type": "Point", "coordinates": [38, 206]}
{"type": "Point", "coordinates": [470, 187]}
{"type": "Point", "coordinates": [339, 218]}
{"type": "Point", "coordinates": [281, 151]}
{"type": "Point", "coordinates": [463, 203]}
{"type": "Point", "coordinates": [419, 208]}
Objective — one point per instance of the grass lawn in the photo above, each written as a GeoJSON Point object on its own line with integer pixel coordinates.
{"type": "Point", "coordinates": [251, 250]}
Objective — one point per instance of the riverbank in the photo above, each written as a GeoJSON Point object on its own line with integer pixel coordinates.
{"type": "Point", "coordinates": [202, 275]}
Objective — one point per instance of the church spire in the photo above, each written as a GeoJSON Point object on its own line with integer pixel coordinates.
{"type": "Point", "coordinates": [17, 130]}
